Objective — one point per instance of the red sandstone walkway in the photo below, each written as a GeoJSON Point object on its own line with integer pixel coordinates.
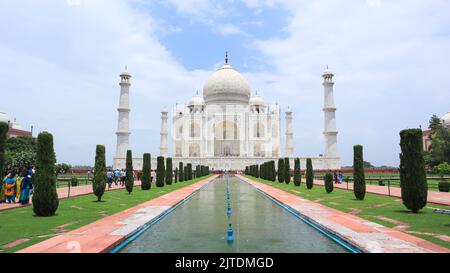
{"type": "Point", "coordinates": [366, 235]}
{"type": "Point", "coordinates": [440, 198]}
{"type": "Point", "coordinates": [64, 193]}
{"type": "Point", "coordinates": [104, 234]}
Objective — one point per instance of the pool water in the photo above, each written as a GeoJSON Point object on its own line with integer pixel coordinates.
{"type": "Point", "coordinates": [259, 226]}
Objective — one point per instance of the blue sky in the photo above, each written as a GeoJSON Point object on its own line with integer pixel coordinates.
{"type": "Point", "coordinates": [61, 60]}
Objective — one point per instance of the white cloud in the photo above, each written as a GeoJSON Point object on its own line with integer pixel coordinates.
{"type": "Point", "coordinates": [228, 29]}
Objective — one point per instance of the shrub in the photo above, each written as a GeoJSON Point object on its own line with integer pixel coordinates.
{"type": "Point", "coordinates": [176, 175]}
{"type": "Point", "coordinates": [186, 173]}
{"type": "Point", "coordinates": [45, 198]}
{"type": "Point", "coordinates": [287, 171]}
{"type": "Point", "coordinates": [329, 182]}
{"type": "Point", "coordinates": [309, 174]}
{"type": "Point", "coordinates": [74, 182]}
{"type": "Point", "coordinates": [181, 170]}
{"type": "Point", "coordinates": [129, 179]}
{"type": "Point", "coordinates": [280, 171]}
{"type": "Point", "coordinates": [3, 132]}
{"type": "Point", "coordinates": [160, 171]}
{"type": "Point", "coordinates": [169, 171]}
{"type": "Point", "coordinates": [146, 178]}
{"type": "Point", "coordinates": [189, 169]}
{"type": "Point", "coordinates": [359, 184]}
{"type": "Point", "coordinates": [273, 171]}
{"type": "Point", "coordinates": [413, 181]}
{"type": "Point", "coordinates": [99, 181]}
{"type": "Point", "coordinates": [297, 173]}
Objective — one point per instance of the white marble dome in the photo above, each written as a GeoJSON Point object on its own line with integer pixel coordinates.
{"type": "Point", "coordinates": [4, 117]}
{"type": "Point", "coordinates": [226, 85]}
{"type": "Point", "coordinates": [446, 120]}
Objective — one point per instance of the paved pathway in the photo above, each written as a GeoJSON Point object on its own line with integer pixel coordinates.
{"type": "Point", "coordinates": [64, 193]}
{"type": "Point", "coordinates": [435, 197]}
{"type": "Point", "coordinates": [104, 234]}
{"type": "Point", "coordinates": [367, 235]}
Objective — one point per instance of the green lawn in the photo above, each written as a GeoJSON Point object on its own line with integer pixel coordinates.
{"type": "Point", "coordinates": [72, 213]}
{"type": "Point", "coordinates": [375, 206]}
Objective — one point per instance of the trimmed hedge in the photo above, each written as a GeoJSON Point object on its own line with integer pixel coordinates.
{"type": "Point", "coordinates": [160, 171]}
{"type": "Point", "coordinates": [146, 178]}
{"type": "Point", "coordinates": [309, 174]}
{"type": "Point", "coordinates": [297, 173]}
{"type": "Point", "coordinates": [359, 184]}
{"type": "Point", "coordinates": [328, 179]}
{"type": "Point", "coordinates": [280, 171]}
{"type": "Point", "coordinates": [99, 182]}
{"type": "Point", "coordinates": [287, 170]}
{"type": "Point", "coordinates": [169, 171]}
{"type": "Point", "coordinates": [413, 180]}
{"type": "Point", "coordinates": [181, 172]}
{"type": "Point", "coordinates": [45, 198]}
{"type": "Point", "coordinates": [129, 179]}
{"type": "Point", "coordinates": [3, 137]}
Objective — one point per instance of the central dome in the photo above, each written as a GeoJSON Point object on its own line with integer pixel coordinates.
{"type": "Point", "coordinates": [226, 85]}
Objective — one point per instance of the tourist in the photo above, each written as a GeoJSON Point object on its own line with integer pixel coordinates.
{"type": "Point", "coordinates": [123, 175]}
{"type": "Point", "coordinates": [116, 176]}
{"type": "Point", "coordinates": [340, 177]}
{"type": "Point", "coordinates": [19, 182]}
{"type": "Point", "coordinates": [335, 176]}
{"type": "Point", "coordinates": [25, 188]}
{"type": "Point", "coordinates": [109, 176]}
{"type": "Point", "coordinates": [10, 188]}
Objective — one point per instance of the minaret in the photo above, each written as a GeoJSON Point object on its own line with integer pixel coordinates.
{"type": "Point", "coordinates": [163, 146]}
{"type": "Point", "coordinates": [289, 134]}
{"type": "Point", "coordinates": [123, 125]}
{"type": "Point", "coordinates": [330, 132]}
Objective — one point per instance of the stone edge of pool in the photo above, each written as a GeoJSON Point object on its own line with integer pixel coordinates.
{"type": "Point", "coordinates": [365, 235]}
{"type": "Point", "coordinates": [108, 233]}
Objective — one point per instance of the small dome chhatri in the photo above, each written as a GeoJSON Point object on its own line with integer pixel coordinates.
{"type": "Point", "coordinates": [226, 85]}
{"type": "Point", "coordinates": [196, 100]}
{"type": "Point", "coordinates": [4, 117]}
{"type": "Point", "coordinates": [257, 100]}
{"type": "Point", "coordinates": [446, 120]}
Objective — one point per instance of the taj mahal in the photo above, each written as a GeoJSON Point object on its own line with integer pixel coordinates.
{"type": "Point", "coordinates": [228, 127]}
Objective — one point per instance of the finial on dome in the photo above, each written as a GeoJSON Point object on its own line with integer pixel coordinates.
{"type": "Point", "coordinates": [226, 57]}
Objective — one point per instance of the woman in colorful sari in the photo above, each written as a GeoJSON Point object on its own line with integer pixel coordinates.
{"type": "Point", "coordinates": [20, 178]}
{"type": "Point", "coordinates": [10, 188]}
{"type": "Point", "coordinates": [25, 187]}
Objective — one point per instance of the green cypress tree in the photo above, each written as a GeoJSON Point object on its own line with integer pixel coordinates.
{"type": "Point", "coordinates": [181, 170]}
{"type": "Point", "coordinates": [99, 182]}
{"type": "Point", "coordinates": [309, 174]}
{"type": "Point", "coordinates": [273, 171]}
{"type": "Point", "coordinates": [280, 171]}
{"type": "Point", "coordinates": [328, 179]}
{"type": "Point", "coordinates": [160, 172]}
{"type": "Point", "coordinates": [287, 171]}
{"type": "Point", "coordinates": [169, 171]}
{"type": "Point", "coordinates": [176, 175]}
{"type": "Point", "coordinates": [146, 178]}
{"type": "Point", "coordinates": [186, 173]}
{"type": "Point", "coordinates": [413, 181]}
{"type": "Point", "coordinates": [3, 136]}
{"type": "Point", "coordinates": [359, 181]}
{"type": "Point", "coordinates": [129, 179]}
{"type": "Point", "coordinates": [189, 165]}
{"type": "Point", "coordinates": [45, 198]}
{"type": "Point", "coordinates": [297, 173]}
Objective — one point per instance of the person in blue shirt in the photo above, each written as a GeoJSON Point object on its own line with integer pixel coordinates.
{"type": "Point", "coordinates": [25, 187]}
{"type": "Point", "coordinates": [109, 176]}
{"type": "Point", "coordinates": [116, 176]}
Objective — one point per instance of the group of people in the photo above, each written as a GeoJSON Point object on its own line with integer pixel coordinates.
{"type": "Point", "coordinates": [338, 177]}
{"type": "Point", "coordinates": [117, 176]}
{"type": "Point", "coordinates": [17, 186]}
